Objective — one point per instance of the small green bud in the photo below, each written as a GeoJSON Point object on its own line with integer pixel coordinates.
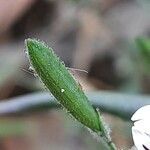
{"type": "Point", "coordinates": [61, 84]}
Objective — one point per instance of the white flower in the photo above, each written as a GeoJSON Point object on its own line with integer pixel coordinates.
{"type": "Point", "coordinates": [141, 128]}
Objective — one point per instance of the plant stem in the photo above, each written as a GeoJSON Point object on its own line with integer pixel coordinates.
{"type": "Point", "coordinates": [112, 146]}
{"type": "Point", "coordinates": [105, 134]}
{"type": "Point", "coordinates": [121, 105]}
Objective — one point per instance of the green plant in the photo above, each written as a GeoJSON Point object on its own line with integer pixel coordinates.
{"type": "Point", "coordinates": [66, 90]}
{"type": "Point", "coordinates": [143, 45]}
{"type": "Point", "coordinates": [119, 104]}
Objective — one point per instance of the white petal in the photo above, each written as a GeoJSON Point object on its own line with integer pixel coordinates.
{"type": "Point", "coordinates": [140, 139]}
{"type": "Point", "coordinates": [142, 113]}
{"type": "Point", "coordinates": [143, 126]}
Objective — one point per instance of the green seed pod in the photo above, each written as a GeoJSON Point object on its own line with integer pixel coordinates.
{"type": "Point", "coordinates": [61, 84]}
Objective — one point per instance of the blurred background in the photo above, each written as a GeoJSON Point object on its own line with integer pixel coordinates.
{"type": "Point", "coordinates": [99, 36]}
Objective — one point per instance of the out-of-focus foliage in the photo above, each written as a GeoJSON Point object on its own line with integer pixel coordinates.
{"type": "Point", "coordinates": [144, 52]}
{"type": "Point", "coordinates": [12, 128]}
{"type": "Point", "coordinates": [9, 68]}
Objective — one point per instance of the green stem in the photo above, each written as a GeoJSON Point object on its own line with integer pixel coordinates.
{"type": "Point", "coordinates": [106, 135]}
{"type": "Point", "coordinates": [112, 146]}
{"type": "Point", "coordinates": [121, 105]}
